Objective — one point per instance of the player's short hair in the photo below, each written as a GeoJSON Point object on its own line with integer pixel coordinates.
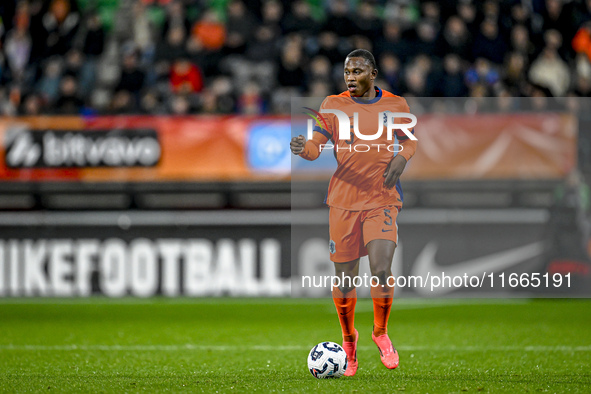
{"type": "Point", "coordinates": [365, 54]}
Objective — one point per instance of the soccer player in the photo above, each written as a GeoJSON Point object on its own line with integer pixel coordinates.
{"type": "Point", "coordinates": [364, 196]}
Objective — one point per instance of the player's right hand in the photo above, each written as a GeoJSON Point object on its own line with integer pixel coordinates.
{"type": "Point", "coordinates": [297, 144]}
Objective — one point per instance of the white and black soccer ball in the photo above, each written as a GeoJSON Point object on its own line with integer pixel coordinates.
{"type": "Point", "coordinates": [327, 360]}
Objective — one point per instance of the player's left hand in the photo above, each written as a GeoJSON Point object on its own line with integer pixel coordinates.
{"type": "Point", "coordinates": [393, 171]}
{"type": "Point", "coordinates": [297, 144]}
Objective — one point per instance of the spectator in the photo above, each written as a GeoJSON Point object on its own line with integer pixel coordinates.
{"type": "Point", "coordinates": [18, 51]}
{"type": "Point", "coordinates": [37, 31]}
{"type": "Point", "coordinates": [239, 26]}
{"type": "Point", "coordinates": [338, 20]}
{"type": "Point", "coordinates": [319, 88]}
{"type": "Point", "coordinates": [185, 77]}
{"type": "Point", "coordinates": [392, 42]}
{"type": "Point", "coordinates": [515, 70]}
{"type": "Point", "coordinates": [7, 12]}
{"type": "Point", "coordinates": [582, 74]}
{"type": "Point", "coordinates": [452, 82]}
{"type": "Point", "coordinates": [73, 63]}
{"type": "Point", "coordinates": [150, 103]}
{"type": "Point", "coordinates": [549, 70]}
{"type": "Point", "coordinates": [320, 69]}
{"type": "Point", "coordinates": [403, 13]}
{"type": "Point", "coordinates": [414, 81]}
{"type": "Point", "coordinates": [557, 16]}
{"type": "Point", "coordinates": [389, 69]}
{"type": "Point", "coordinates": [209, 103]}
{"type": "Point", "coordinates": [94, 40]}
{"type": "Point", "coordinates": [361, 42]}
{"type": "Point", "coordinates": [482, 75]}
{"type": "Point", "coordinates": [328, 46]}
{"type": "Point", "coordinates": [9, 105]}
{"type": "Point", "coordinates": [539, 101]}
{"type": "Point", "coordinates": [174, 47]}
{"type": "Point", "coordinates": [490, 9]}
{"type": "Point", "coordinates": [272, 14]}
{"type": "Point", "coordinates": [425, 39]}
{"type": "Point", "coordinates": [438, 41]}
{"type": "Point", "coordinates": [506, 102]}
{"type": "Point", "coordinates": [220, 97]}
{"type": "Point", "coordinates": [61, 24]}
{"type": "Point", "coordinates": [176, 16]}
{"type": "Point", "coordinates": [4, 75]}
{"type": "Point", "coordinates": [122, 103]}
{"type": "Point", "coordinates": [581, 42]}
{"type": "Point", "coordinates": [300, 20]}
{"type": "Point", "coordinates": [180, 105]}
{"type": "Point", "coordinates": [521, 43]}
{"type": "Point", "coordinates": [68, 103]}
{"type": "Point", "coordinates": [582, 13]}
{"type": "Point", "coordinates": [291, 72]}
{"type": "Point", "coordinates": [582, 86]}
{"type": "Point", "coordinates": [456, 39]}
{"type": "Point", "coordinates": [518, 16]}
{"type": "Point", "coordinates": [366, 21]}
{"type": "Point", "coordinates": [132, 78]}
{"type": "Point", "coordinates": [431, 12]}
{"type": "Point", "coordinates": [251, 101]}
{"type": "Point", "coordinates": [49, 85]}
{"type": "Point", "coordinates": [430, 71]}
{"type": "Point", "coordinates": [209, 31]}
{"type": "Point", "coordinates": [264, 47]}
{"type": "Point", "coordinates": [489, 44]}
{"type": "Point", "coordinates": [31, 105]}
{"type": "Point", "coordinates": [467, 12]}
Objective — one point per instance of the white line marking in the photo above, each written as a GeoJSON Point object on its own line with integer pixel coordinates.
{"type": "Point", "coordinates": [173, 348]}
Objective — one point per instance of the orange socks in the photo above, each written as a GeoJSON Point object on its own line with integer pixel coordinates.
{"type": "Point", "coordinates": [382, 303]}
{"type": "Point", "coordinates": [345, 304]}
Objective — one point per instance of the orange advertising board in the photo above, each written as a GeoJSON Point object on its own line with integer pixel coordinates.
{"type": "Point", "coordinates": [510, 146]}
{"type": "Point", "coordinates": [235, 148]}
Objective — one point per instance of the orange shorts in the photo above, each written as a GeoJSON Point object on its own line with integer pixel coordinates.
{"type": "Point", "coordinates": [351, 231]}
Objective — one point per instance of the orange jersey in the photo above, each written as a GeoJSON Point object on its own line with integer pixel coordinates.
{"type": "Point", "coordinates": [357, 184]}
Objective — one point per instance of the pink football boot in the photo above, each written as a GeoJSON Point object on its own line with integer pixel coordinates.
{"type": "Point", "coordinates": [388, 354]}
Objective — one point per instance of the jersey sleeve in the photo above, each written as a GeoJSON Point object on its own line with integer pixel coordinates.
{"type": "Point", "coordinates": [409, 147]}
{"type": "Point", "coordinates": [323, 132]}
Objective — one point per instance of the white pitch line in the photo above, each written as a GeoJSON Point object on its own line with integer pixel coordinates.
{"type": "Point", "coordinates": [287, 348]}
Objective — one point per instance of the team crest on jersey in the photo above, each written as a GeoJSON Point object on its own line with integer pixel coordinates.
{"type": "Point", "coordinates": [332, 247]}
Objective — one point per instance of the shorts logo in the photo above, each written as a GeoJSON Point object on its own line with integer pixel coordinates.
{"type": "Point", "coordinates": [332, 247]}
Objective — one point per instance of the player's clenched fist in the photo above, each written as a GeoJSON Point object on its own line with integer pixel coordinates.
{"type": "Point", "coordinates": [297, 144]}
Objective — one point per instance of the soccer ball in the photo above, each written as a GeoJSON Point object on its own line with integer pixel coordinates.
{"type": "Point", "coordinates": [327, 360]}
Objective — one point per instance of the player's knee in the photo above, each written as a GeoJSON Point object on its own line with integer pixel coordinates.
{"type": "Point", "coordinates": [346, 283]}
{"type": "Point", "coordinates": [346, 289]}
{"type": "Point", "coordinates": [381, 274]}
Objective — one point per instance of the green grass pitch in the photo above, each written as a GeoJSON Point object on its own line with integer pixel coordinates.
{"type": "Point", "coordinates": [225, 345]}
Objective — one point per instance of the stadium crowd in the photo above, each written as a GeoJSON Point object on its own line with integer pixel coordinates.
{"type": "Point", "coordinates": [251, 56]}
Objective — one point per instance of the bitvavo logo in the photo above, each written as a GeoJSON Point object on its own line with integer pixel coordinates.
{"type": "Point", "coordinates": [386, 119]}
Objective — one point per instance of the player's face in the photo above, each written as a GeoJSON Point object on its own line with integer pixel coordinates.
{"type": "Point", "coordinates": [359, 76]}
